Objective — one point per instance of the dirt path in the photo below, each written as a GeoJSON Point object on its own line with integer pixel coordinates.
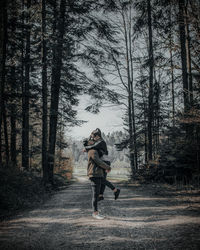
{"type": "Point", "coordinates": [140, 219]}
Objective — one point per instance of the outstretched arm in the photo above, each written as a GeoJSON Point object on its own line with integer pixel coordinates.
{"type": "Point", "coordinates": [95, 144]}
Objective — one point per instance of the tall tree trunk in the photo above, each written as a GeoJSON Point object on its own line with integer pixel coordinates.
{"type": "Point", "coordinates": [13, 90]}
{"type": "Point", "coordinates": [22, 65]}
{"type": "Point", "coordinates": [145, 139]}
{"type": "Point", "coordinates": [60, 141]}
{"type": "Point", "coordinates": [134, 136]}
{"type": "Point", "coordinates": [183, 53]}
{"type": "Point", "coordinates": [131, 87]}
{"type": "Point", "coordinates": [44, 95]}
{"type": "Point", "coordinates": [151, 68]}
{"type": "Point", "coordinates": [130, 94]}
{"type": "Point", "coordinates": [31, 140]}
{"type": "Point", "coordinates": [157, 112]}
{"type": "Point", "coordinates": [172, 69]}
{"type": "Point", "coordinates": [13, 153]}
{"type": "Point", "coordinates": [172, 87]}
{"type": "Point", "coordinates": [3, 44]}
{"type": "Point", "coordinates": [188, 54]}
{"type": "Point", "coordinates": [55, 89]}
{"type": "Point", "coordinates": [25, 103]}
{"type": "Point", "coordinates": [6, 135]}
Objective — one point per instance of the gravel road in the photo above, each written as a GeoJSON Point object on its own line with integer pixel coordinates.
{"type": "Point", "coordinates": [142, 218]}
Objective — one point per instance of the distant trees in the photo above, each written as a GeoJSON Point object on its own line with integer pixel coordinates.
{"type": "Point", "coordinates": [117, 158]}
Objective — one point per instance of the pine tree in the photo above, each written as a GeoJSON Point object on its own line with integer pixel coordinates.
{"type": "Point", "coordinates": [183, 53]}
{"type": "Point", "coordinates": [26, 91]}
{"type": "Point", "coordinates": [151, 70]}
{"type": "Point", "coordinates": [13, 80]}
{"type": "Point", "coordinates": [4, 20]}
{"type": "Point", "coordinates": [44, 95]}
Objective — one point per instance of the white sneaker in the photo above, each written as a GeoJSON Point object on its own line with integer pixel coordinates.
{"type": "Point", "coordinates": [98, 216]}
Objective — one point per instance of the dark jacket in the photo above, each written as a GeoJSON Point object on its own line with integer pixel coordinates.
{"type": "Point", "coordinates": [99, 145]}
{"type": "Point", "coordinates": [95, 164]}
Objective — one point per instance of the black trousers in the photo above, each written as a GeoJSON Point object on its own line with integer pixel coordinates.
{"type": "Point", "coordinates": [96, 183]}
{"type": "Point", "coordinates": [105, 183]}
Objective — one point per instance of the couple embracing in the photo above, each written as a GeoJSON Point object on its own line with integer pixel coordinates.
{"type": "Point", "coordinates": [98, 167]}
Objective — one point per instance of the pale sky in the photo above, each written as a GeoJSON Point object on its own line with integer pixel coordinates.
{"type": "Point", "coordinates": [109, 119]}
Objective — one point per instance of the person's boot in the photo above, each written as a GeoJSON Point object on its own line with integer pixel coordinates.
{"type": "Point", "coordinates": [117, 194]}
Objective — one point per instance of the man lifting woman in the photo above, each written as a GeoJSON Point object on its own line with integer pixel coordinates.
{"type": "Point", "coordinates": [98, 167]}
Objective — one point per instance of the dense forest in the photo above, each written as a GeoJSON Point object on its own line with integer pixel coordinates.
{"type": "Point", "coordinates": [142, 55]}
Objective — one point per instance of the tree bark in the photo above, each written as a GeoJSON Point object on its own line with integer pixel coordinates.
{"type": "Point", "coordinates": [13, 153]}
{"type": "Point", "coordinates": [188, 54]}
{"type": "Point", "coordinates": [130, 120]}
{"type": "Point", "coordinates": [44, 95]}
{"type": "Point", "coordinates": [4, 38]}
{"type": "Point", "coordinates": [172, 70]}
{"type": "Point", "coordinates": [132, 97]}
{"type": "Point", "coordinates": [25, 102]}
{"type": "Point", "coordinates": [183, 53]}
{"type": "Point", "coordinates": [6, 135]}
{"type": "Point", "coordinates": [151, 68]}
{"type": "Point", "coordinates": [145, 137]}
{"type": "Point", "coordinates": [22, 66]}
{"type": "Point", "coordinates": [157, 112]}
{"type": "Point", "coordinates": [55, 90]}
{"type": "Point", "coordinates": [134, 137]}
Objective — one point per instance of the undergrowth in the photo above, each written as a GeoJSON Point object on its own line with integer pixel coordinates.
{"type": "Point", "coordinates": [21, 190]}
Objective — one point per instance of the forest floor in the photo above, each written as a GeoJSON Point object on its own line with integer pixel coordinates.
{"type": "Point", "coordinates": [150, 216]}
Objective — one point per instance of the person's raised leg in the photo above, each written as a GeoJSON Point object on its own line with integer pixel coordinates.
{"type": "Point", "coordinates": [112, 187]}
